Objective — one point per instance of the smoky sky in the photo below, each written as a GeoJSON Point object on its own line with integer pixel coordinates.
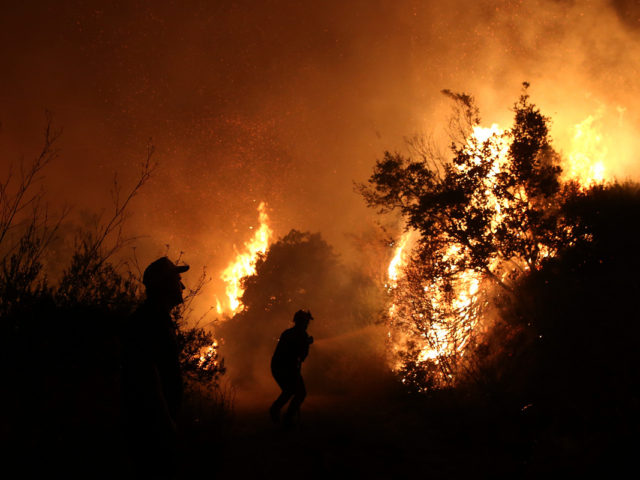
{"type": "Point", "coordinates": [284, 102]}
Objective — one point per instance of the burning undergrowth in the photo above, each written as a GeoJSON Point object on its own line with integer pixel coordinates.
{"type": "Point", "coordinates": [476, 222]}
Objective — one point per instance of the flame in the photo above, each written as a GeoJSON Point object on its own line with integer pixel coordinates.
{"type": "Point", "coordinates": [398, 261]}
{"type": "Point", "coordinates": [587, 158]}
{"type": "Point", "coordinates": [498, 145]}
{"type": "Point", "coordinates": [208, 358]}
{"type": "Point", "coordinates": [446, 335]}
{"type": "Point", "coordinates": [454, 305]}
{"type": "Point", "coordinates": [482, 134]}
{"type": "Point", "coordinates": [245, 262]}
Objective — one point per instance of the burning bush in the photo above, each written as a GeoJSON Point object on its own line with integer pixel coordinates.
{"type": "Point", "coordinates": [483, 218]}
{"type": "Point", "coordinates": [519, 289]}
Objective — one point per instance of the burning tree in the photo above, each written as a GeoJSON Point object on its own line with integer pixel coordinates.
{"type": "Point", "coordinates": [484, 216]}
{"type": "Point", "coordinates": [302, 271]}
{"type": "Point", "coordinates": [294, 271]}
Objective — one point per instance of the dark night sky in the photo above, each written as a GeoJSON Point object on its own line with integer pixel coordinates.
{"type": "Point", "coordinates": [287, 101]}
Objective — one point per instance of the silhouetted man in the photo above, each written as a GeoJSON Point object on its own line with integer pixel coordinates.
{"type": "Point", "coordinates": [152, 380]}
{"type": "Point", "coordinates": [286, 365]}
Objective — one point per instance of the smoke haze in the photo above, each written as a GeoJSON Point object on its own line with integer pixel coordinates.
{"type": "Point", "coordinates": [289, 102]}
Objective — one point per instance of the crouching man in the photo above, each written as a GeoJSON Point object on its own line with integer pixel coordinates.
{"type": "Point", "coordinates": [286, 366]}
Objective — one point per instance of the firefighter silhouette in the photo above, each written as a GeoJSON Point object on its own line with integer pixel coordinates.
{"type": "Point", "coordinates": [286, 366]}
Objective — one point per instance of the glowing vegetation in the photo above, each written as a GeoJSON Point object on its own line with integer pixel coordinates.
{"type": "Point", "coordinates": [475, 224]}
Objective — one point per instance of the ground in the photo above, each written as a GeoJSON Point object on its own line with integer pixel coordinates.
{"type": "Point", "coordinates": [385, 436]}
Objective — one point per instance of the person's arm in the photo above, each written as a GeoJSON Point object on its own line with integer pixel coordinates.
{"type": "Point", "coordinates": [303, 347]}
{"type": "Point", "coordinates": [160, 405]}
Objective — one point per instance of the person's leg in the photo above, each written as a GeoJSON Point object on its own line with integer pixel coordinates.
{"type": "Point", "coordinates": [288, 390]}
{"type": "Point", "coordinates": [299, 395]}
{"type": "Point", "coordinates": [282, 399]}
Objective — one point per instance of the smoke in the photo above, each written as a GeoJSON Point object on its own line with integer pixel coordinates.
{"type": "Point", "coordinates": [289, 102]}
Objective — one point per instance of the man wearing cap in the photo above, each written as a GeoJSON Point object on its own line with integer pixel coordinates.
{"type": "Point", "coordinates": [152, 380]}
{"type": "Point", "coordinates": [286, 367]}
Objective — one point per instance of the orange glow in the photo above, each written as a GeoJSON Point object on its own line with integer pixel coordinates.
{"type": "Point", "coordinates": [245, 263]}
{"type": "Point", "coordinates": [453, 319]}
{"type": "Point", "coordinates": [208, 356]}
{"type": "Point", "coordinates": [454, 305]}
{"type": "Point", "coordinates": [586, 161]}
{"type": "Point", "coordinates": [398, 261]}
{"type": "Point", "coordinates": [453, 314]}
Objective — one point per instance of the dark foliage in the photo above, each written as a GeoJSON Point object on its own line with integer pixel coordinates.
{"type": "Point", "coordinates": [564, 353]}
{"type": "Point", "coordinates": [60, 343]}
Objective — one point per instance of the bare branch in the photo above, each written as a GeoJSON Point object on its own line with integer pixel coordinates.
{"type": "Point", "coordinates": [116, 222]}
{"type": "Point", "coordinates": [12, 204]}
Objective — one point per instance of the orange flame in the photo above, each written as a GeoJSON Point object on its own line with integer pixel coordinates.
{"type": "Point", "coordinates": [454, 316]}
{"type": "Point", "coordinates": [587, 158]}
{"type": "Point", "coordinates": [245, 262]}
{"type": "Point", "coordinates": [398, 261]}
{"type": "Point", "coordinates": [208, 355]}
{"type": "Point", "coordinates": [442, 338]}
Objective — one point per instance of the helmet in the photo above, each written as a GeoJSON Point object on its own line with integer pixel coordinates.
{"type": "Point", "coordinates": [302, 316]}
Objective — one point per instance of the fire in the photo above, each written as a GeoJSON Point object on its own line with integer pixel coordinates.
{"type": "Point", "coordinates": [398, 261]}
{"type": "Point", "coordinates": [493, 137]}
{"type": "Point", "coordinates": [209, 355]}
{"type": "Point", "coordinates": [587, 158]}
{"type": "Point", "coordinates": [449, 310]}
{"type": "Point", "coordinates": [482, 134]}
{"type": "Point", "coordinates": [453, 316]}
{"type": "Point", "coordinates": [245, 262]}
{"type": "Point", "coordinates": [452, 303]}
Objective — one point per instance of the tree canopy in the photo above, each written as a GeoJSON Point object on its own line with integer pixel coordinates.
{"type": "Point", "coordinates": [494, 199]}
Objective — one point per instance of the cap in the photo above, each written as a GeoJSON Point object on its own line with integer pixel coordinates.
{"type": "Point", "coordinates": [160, 271]}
